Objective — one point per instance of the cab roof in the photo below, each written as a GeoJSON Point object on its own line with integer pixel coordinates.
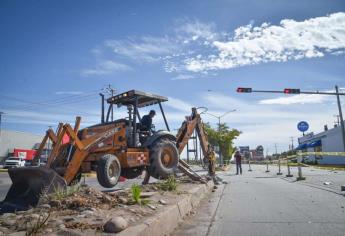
{"type": "Point", "coordinates": [144, 98]}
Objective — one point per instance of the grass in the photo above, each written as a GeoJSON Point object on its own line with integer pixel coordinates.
{"type": "Point", "coordinates": [169, 184]}
{"type": "Point", "coordinates": [36, 227]}
{"type": "Point", "coordinates": [61, 193]}
{"type": "Point", "coordinates": [136, 195]}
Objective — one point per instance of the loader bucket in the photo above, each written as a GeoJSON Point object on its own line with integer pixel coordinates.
{"type": "Point", "coordinates": [28, 185]}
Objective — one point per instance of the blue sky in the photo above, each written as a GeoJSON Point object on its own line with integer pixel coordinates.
{"type": "Point", "coordinates": [57, 55]}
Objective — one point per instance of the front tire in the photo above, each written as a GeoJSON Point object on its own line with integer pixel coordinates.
{"type": "Point", "coordinates": [163, 159]}
{"type": "Point", "coordinates": [108, 170]}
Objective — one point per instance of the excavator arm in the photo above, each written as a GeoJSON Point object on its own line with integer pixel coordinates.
{"type": "Point", "coordinates": [194, 122]}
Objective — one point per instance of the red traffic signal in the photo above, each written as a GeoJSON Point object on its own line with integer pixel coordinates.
{"type": "Point", "coordinates": [244, 90]}
{"type": "Point", "coordinates": [292, 91]}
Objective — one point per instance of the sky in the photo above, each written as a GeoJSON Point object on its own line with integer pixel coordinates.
{"type": "Point", "coordinates": [56, 56]}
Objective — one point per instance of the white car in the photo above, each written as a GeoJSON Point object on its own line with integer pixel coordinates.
{"type": "Point", "coordinates": [14, 162]}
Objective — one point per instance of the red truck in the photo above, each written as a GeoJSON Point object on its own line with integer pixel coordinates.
{"type": "Point", "coordinates": [20, 156]}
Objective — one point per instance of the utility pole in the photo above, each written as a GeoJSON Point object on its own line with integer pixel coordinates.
{"type": "Point", "coordinates": [111, 91]}
{"type": "Point", "coordinates": [340, 116]}
{"type": "Point", "coordinates": [292, 141]}
{"type": "Point", "coordinates": [1, 113]}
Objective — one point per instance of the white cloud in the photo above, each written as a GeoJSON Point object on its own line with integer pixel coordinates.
{"type": "Point", "coordinates": [194, 30]}
{"type": "Point", "coordinates": [183, 77]}
{"type": "Point", "coordinates": [106, 67]}
{"type": "Point", "coordinates": [144, 49]}
{"type": "Point", "coordinates": [296, 99]}
{"type": "Point", "coordinates": [291, 40]}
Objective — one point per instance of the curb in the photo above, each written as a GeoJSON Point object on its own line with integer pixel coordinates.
{"type": "Point", "coordinates": [3, 170]}
{"type": "Point", "coordinates": [166, 221]}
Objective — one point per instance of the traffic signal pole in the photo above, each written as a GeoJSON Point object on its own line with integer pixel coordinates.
{"type": "Point", "coordinates": [298, 91]}
{"type": "Point", "coordinates": [341, 116]}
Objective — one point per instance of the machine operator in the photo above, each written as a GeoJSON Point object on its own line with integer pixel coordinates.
{"type": "Point", "coordinates": [146, 121]}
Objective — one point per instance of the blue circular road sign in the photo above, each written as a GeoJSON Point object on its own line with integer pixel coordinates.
{"type": "Point", "coordinates": [303, 126]}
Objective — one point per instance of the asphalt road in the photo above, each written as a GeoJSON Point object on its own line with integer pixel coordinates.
{"type": "Point", "coordinates": [259, 203]}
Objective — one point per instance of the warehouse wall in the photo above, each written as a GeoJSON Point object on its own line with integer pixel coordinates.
{"type": "Point", "coordinates": [14, 139]}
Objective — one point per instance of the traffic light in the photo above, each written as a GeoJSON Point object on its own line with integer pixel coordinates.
{"type": "Point", "coordinates": [244, 90]}
{"type": "Point", "coordinates": [292, 91]}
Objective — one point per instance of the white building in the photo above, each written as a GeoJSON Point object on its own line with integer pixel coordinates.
{"type": "Point", "coordinates": [328, 141]}
{"type": "Point", "coordinates": [14, 139]}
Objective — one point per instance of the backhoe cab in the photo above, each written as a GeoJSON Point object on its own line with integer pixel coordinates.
{"type": "Point", "coordinates": [134, 100]}
{"type": "Point", "coordinates": [134, 148]}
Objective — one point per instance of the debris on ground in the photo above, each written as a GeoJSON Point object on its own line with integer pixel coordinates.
{"type": "Point", "coordinates": [88, 211]}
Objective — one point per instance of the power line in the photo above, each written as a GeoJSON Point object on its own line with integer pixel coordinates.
{"type": "Point", "coordinates": [48, 106]}
{"type": "Point", "coordinates": [59, 101]}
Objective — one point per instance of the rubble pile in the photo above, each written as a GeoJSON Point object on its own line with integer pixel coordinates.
{"type": "Point", "coordinates": [88, 211]}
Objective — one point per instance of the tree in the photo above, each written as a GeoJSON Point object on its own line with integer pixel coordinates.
{"type": "Point", "coordinates": [223, 137]}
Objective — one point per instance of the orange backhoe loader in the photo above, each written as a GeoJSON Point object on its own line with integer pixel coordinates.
{"type": "Point", "coordinates": [112, 148]}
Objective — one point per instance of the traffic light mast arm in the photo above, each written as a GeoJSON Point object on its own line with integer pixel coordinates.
{"type": "Point", "coordinates": [301, 92]}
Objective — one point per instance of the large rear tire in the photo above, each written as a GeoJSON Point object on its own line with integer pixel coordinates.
{"type": "Point", "coordinates": [163, 159]}
{"type": "Point", "coordinates": [108, 170]}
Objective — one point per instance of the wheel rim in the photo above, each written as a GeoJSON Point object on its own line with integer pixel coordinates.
{"type": "Point", "coordinates": [167, 157]}
{"type": "Point", "coordinates": [113, 171]}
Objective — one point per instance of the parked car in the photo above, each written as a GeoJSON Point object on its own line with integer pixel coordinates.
{"type": "Point", "coordinates": [14, 162]}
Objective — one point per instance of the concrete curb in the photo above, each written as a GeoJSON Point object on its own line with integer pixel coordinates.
{"type": "Point", "coordinates": [166, 221]}
{"type": "Point", "coordinates": [3, 170]}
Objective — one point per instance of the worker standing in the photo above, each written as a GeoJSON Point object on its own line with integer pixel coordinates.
{"type": "Point", "coordinates": [238, 159]}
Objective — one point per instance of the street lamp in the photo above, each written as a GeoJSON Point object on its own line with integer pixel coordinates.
{"type": "Point", "coordinates": [219, 117]}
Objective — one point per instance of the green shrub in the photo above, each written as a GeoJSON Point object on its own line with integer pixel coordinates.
{"type": "Point", "coordinates": [169, 184]}
{"type": "Point", "coordinates": [136, 193]}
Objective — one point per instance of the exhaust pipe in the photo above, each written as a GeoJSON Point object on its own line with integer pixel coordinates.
{"type": "Point", "coordinates": [102, 115]}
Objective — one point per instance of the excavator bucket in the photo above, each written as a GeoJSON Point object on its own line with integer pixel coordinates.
{"type": "Point", "coordinates": [29, 184]}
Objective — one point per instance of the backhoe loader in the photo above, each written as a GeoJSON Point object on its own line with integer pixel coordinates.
{"type": "Point", "coordinates": [112, 148]}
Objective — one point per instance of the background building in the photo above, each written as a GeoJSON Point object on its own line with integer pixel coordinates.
{"type": "Point", "coordinates": [14, 139]}
{"type": "Point", "coordinates": [258, 153]}
{"type": "Point", "coordinates": [328, 141]}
